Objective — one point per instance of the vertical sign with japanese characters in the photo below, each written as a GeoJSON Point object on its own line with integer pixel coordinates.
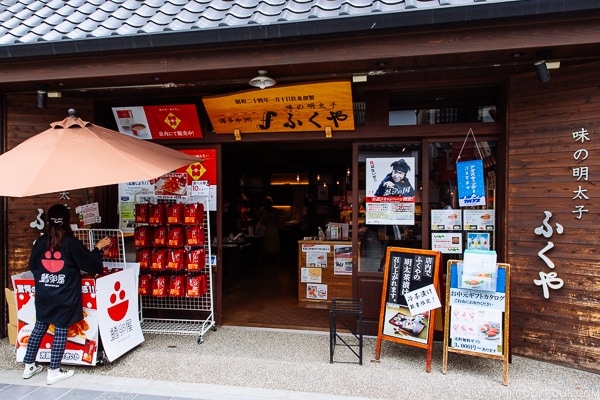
{"type": "Point", "coordinates": [550, 228]}
{"type": "Point", "coordinates": [410, 283]}
{"type": "Point", "coordinates": [471, 185]}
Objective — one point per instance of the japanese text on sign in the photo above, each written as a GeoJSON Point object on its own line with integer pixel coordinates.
{"type": "Point", "coordinates": [311, 107]}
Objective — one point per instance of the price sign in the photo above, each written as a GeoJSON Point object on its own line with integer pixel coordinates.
{"type": "Point", "coordinates": [200, 188]}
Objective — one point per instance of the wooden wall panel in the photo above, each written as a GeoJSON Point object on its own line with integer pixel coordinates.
{"type": "Point", "coordinates": [24, 120]}
{"type": "Point", "coordinates": [565, 327]}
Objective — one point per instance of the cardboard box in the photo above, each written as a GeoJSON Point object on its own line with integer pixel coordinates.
{"type": "Point", "coordinates": [12, 333]}
{"type": "Point", "coordinates": [12, 306]}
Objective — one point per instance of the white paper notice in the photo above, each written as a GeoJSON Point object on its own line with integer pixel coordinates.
{"type": "Point", "coordinates": [422, 300]}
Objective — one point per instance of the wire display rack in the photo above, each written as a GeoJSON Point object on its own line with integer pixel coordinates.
{"type": "Point", "coordinates": [114, 256]}
{"type": "Point", "coordinates": [184, 314]}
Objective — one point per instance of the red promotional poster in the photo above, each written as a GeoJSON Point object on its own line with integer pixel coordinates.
{"type": "Point", "coordinates": [205, 169]}
{"type": "Point", "coordinates": [82, 339]}
{"type": "Point", "coordinates": [175, 121]}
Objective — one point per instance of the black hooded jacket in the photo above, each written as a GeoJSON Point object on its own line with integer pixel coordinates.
{"type": "Point", "coordinates": [57, 278]}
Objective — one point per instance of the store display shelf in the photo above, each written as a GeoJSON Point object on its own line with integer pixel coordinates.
{"type": "Point", "coordinates": [179, 327]}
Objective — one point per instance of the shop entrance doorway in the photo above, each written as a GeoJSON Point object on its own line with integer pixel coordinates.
{"type": "Point", "coordinates": [306, 183]}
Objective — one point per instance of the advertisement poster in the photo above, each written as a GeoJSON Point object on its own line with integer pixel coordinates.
{"type": "Point", "coordinates": [471, 184]}
{"type": "Point", "coordinates": [311, 275]}
{"type": "Point", "coordinates": [478, 240]}
{"type": "Point", "coordinates": [342, 260]}
{"type": "Point", "coordinates": [476, 329]}
{"type": "Point", "coordinates": [191, 183]}
{"type": "Point", "coordinates": [446, 220]}
{"type": "Point", "coordinates": [409, 296]}
{"type": "Point", "coordinates": [479, 220]}
{"type": "Point", "coordinates": [110, 309]}
{"type": "Point", "coordinates": [177, 121]}
{"type": "Point", "coordinates": [316, 291]}
{"type": "Point", "coordinates": [447, 243]}
{"type": "Point", "coordinates": [118, 319]}
{"type": "Point", "coordinates": [82, 337]}
{"type": "Point", "coordinates": [476, 315]}
{"type": "Point", "coordinates": [390, 192]}
{"type": "Point", "coordinates": [316, 259]}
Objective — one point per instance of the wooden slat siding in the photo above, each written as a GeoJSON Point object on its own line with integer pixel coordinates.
{"type": "Point", "coordinates": [566, 327]}
{"type": "Point", "coordinates": [24, 120]}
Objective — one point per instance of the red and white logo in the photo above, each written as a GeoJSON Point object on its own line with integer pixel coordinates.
{"type": "Point", "coordinates": [119, 303]}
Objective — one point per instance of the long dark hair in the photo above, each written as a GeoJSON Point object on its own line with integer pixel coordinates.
{"type": "Point", "coordinates": [58, 225]}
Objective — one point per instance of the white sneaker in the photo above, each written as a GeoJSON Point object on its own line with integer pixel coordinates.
{"type": "Point", "coordinates": [31, 370]}
{"type": "Point", "coordinates": [55, 375]}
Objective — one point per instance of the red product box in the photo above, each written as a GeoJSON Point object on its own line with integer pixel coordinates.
{"type": "Point", "coordinates": [197, 285]}
{"type": "Point", "coordinates": [112, 250]}
{"type": "Point", "coordinates": [176, 259]}
{"type": "Point", "coordinates": [175, 236]}
{"type": "Point", "coordinates": [159, 259]}
{"type": "Point", "coordinates": [160, 236]}
{"type": "Point", "coordinates": [194, 235]}
{"type": "Point", "coordinates": [159, 286]}
{"type": "Point", "coordinates": [142, 211]}
{"type": "Point", "coordinates": [176, 286]}
{"type": "Point", "coordinates": [142, 236]}
{"type": "Point", "coordinates": [145, 285]}
{"type": "Point", "coordinates": [144, 257]}
{"type": "Point", "coordinates": [195, 259]}
{"type": "Point", "coordinates": [175, 214]}
{"type": "Point", "coordinates": [156, 214]}
{"type": "Point", "coordinates": [193, 214]}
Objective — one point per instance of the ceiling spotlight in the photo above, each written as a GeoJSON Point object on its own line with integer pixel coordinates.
{"type": "Point", "coordinates": [541, 66]}
{"type": "Point", "coordinates": [42, 95]}
{"type": "Point", "coordinates": [262, 80]}
{"type": "Point", "coordinates": [542, 71]}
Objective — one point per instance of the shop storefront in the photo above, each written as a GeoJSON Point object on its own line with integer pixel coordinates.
{"type": "Point", "coordinates": [415, 93]}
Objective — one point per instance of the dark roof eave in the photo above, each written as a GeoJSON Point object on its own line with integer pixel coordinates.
{"type": "Point", "coordinates": [372, 22]}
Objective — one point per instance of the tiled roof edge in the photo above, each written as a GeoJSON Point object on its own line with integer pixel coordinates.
{"type": "Point", "coordinates": [371, 22]}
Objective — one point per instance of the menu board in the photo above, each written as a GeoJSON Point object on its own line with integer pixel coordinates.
{"type": "Point", "coordinates": [409, 298]}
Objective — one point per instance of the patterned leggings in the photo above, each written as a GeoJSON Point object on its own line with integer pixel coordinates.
{"type": "Point", "coordinates": [58, 345]}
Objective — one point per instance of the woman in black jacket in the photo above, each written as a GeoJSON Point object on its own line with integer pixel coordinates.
{"type": "Point", "coordinates": [56, 260]}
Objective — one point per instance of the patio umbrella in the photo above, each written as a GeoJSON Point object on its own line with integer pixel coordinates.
{"type": "Point", "coordinates": [75, 154]}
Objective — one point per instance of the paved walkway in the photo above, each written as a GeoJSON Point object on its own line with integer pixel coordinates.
{"type": "Point", "coordinates": [91, 387]}
{"type": "Point", "coordinates": [236, 363]}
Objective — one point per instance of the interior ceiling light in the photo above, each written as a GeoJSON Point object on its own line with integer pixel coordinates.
{"type": "Point", "coordinates": [262, 80]}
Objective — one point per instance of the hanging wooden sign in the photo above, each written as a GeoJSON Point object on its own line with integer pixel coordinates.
{"type": "Point", "coordinates": [322, 107]}
{"type": "Point", "coordinates": [477, 321]}
{"type": "Point", "coordinates": [409, 298]}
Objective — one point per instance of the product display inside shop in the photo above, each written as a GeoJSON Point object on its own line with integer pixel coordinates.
{"type": "Point", "coordinates": [110, 327]}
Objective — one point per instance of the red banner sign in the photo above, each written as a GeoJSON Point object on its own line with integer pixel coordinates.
{"type": "Point", "coordinates": [176, 121]}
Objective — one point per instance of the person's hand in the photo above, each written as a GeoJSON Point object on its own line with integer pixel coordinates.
{"type": "Point", "coordinates": [388, 185]}
{"type": "Point", "coordinates": [104, 242]}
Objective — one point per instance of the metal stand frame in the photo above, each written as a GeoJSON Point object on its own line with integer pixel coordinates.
{"type": "Point", "coordinates": [352, 308]}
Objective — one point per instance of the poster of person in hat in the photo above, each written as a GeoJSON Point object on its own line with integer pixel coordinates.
{"type": "Point", "coordinates": [396, 183]}
{"type": "Point", "coordinates": [390, 195]}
